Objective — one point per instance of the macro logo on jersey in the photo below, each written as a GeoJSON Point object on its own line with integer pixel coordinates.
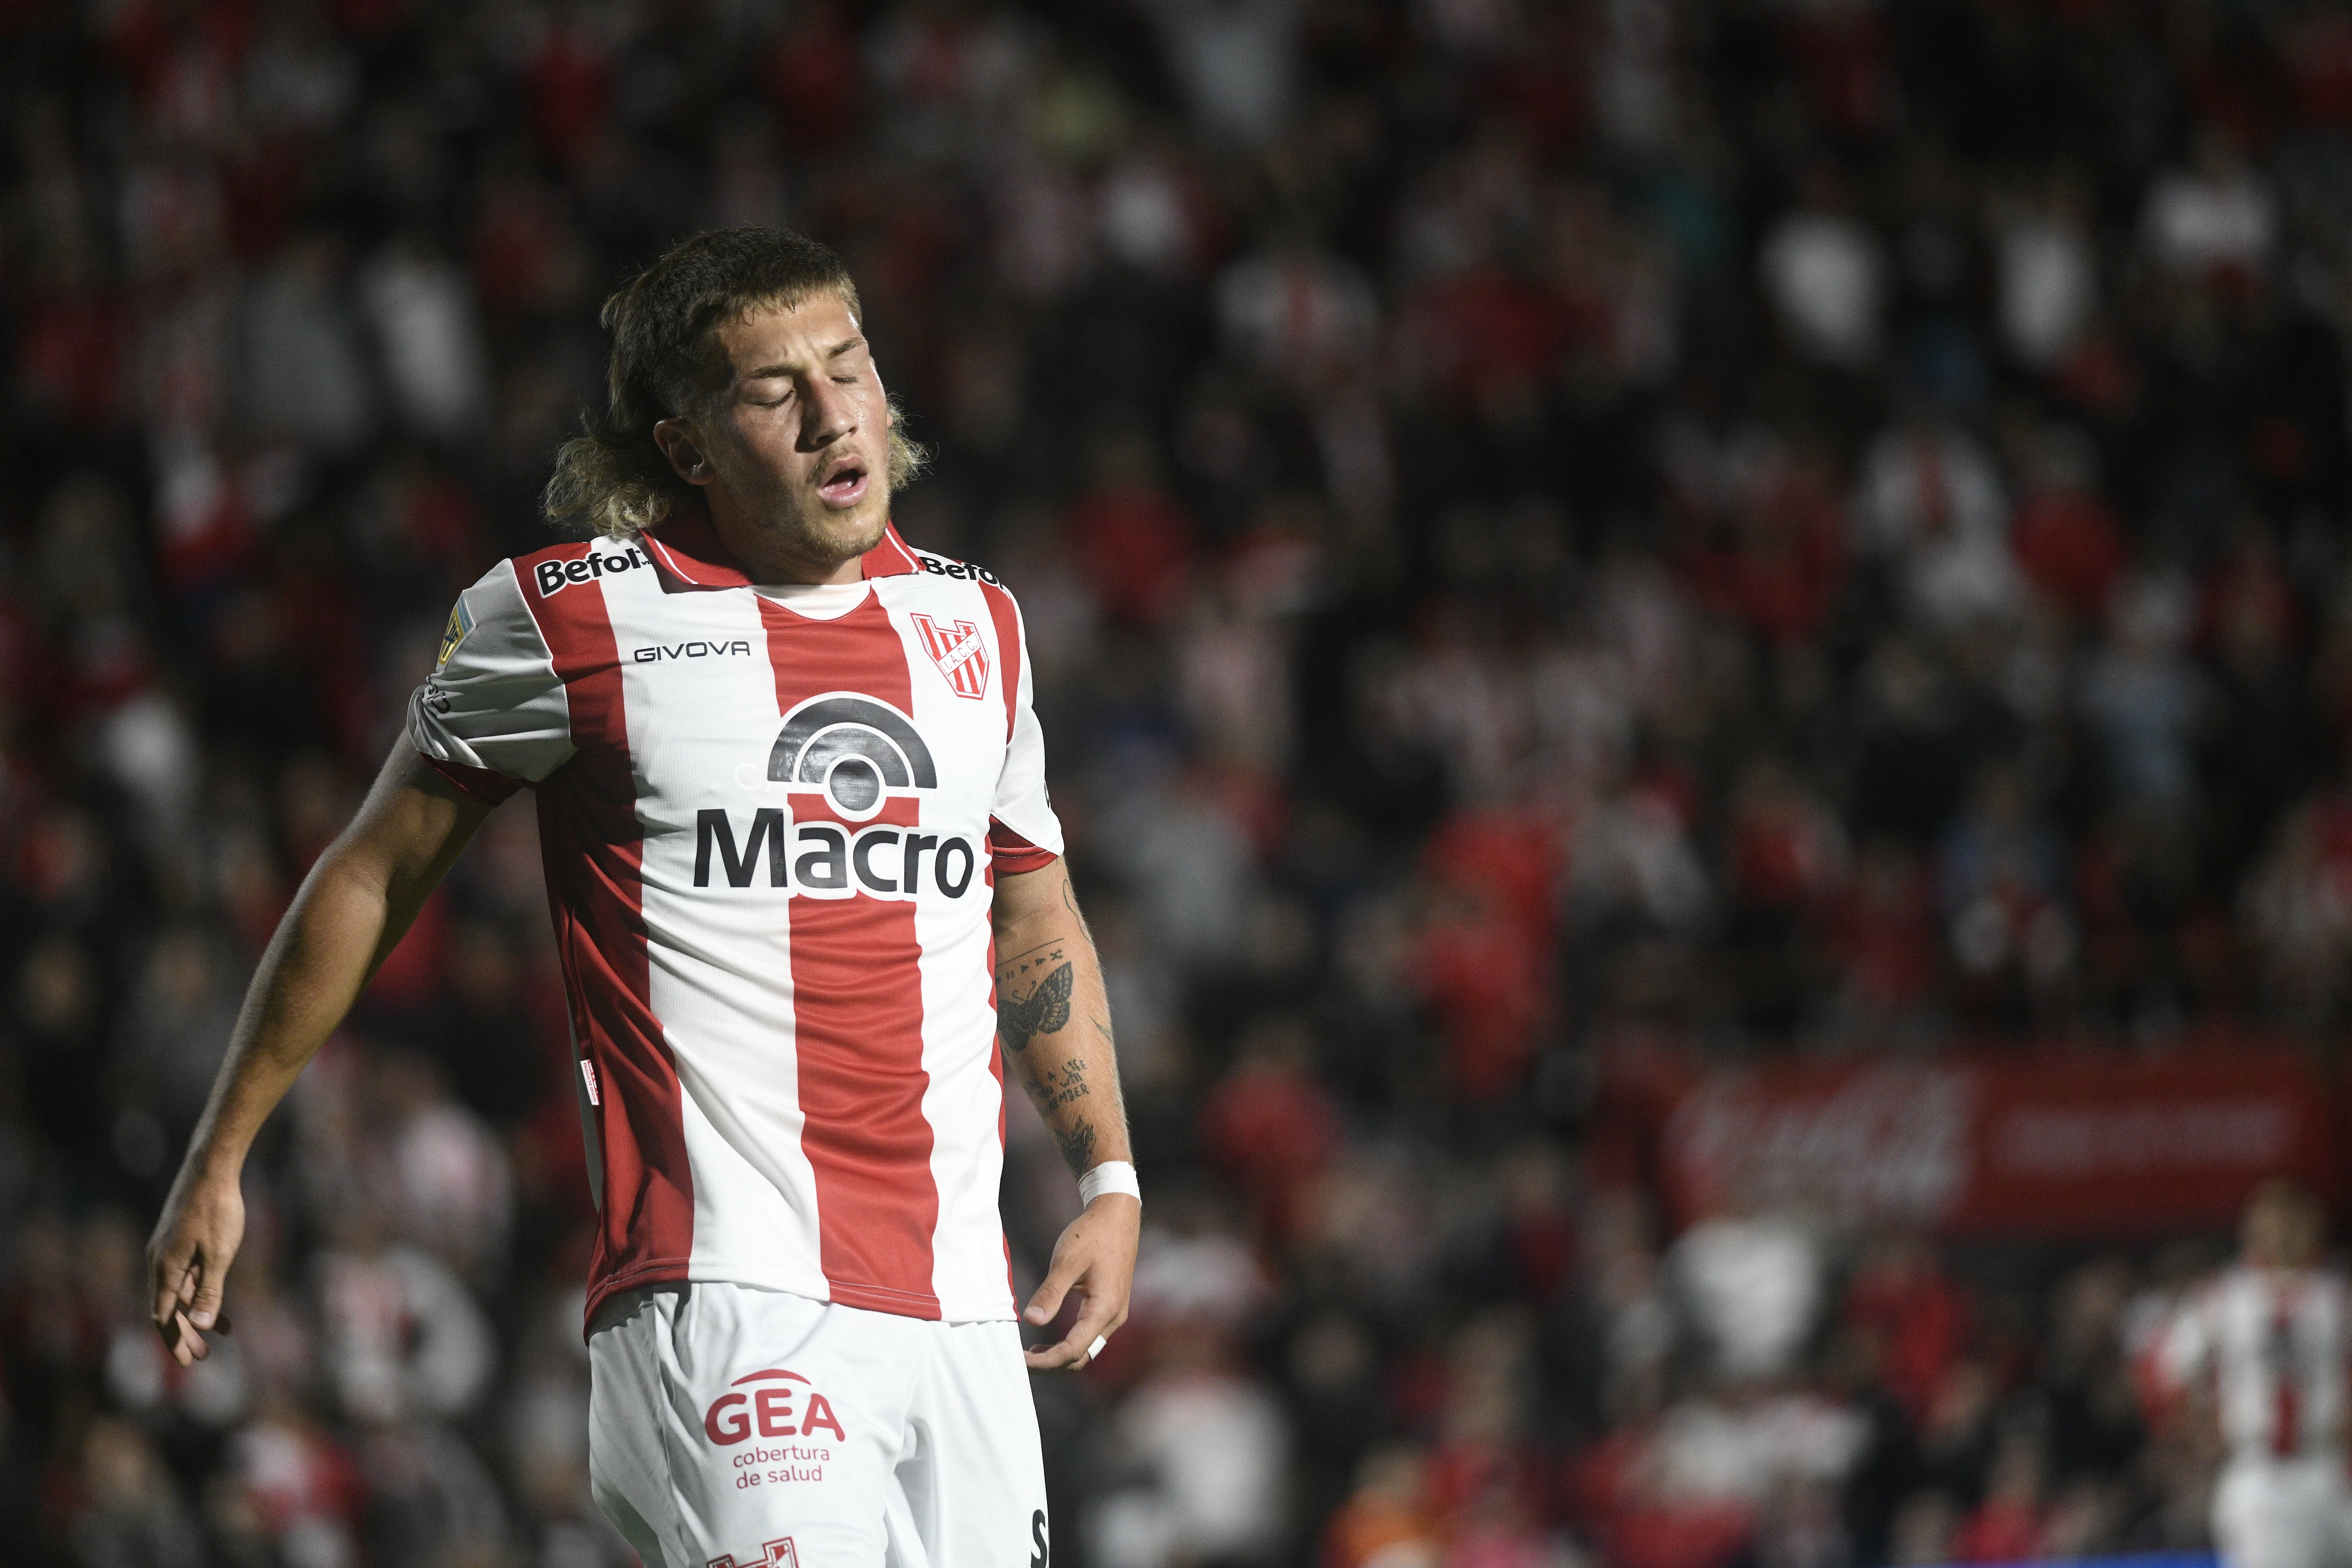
{"type": "Point", "coordinates": [856, 753]}
{"type": "Point", "coordinates": [775, 1554]}
{"type": "Point", "coordinates": [956, 648]}
{"type": "Point", "coordinates": [856, 750]}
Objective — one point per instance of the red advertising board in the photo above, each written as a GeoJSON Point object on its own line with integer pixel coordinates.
{"type": "Point", "coordinates": [2076, 1146]}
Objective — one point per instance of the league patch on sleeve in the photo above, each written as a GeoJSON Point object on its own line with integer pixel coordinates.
{"type": "Point", "coordinates": [461, 621]}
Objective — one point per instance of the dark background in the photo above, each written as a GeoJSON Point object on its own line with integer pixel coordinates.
{"type": "Point", "coordinates": [1555, 539]}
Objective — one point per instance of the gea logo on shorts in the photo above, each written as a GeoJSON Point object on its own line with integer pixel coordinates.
{"type": "Point", "coordinates": [769, 1410]}
{"type": "Point", "coordinates": [856, 753]}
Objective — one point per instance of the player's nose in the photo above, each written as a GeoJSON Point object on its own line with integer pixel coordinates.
{"type": "Point", "coordinates": [831, 413]}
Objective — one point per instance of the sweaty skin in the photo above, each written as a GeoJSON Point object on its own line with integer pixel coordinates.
{"type": "Point", "coordinates": [792, 455]}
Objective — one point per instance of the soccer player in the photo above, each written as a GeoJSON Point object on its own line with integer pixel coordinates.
{"type": "Point", "coordinates": [804, 879]}
{"type": "Point", "coordinates": [2272, 1333]}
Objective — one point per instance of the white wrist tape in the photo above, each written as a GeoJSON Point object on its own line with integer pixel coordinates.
{"type": "Point", "coordinates": [1111, 1176]}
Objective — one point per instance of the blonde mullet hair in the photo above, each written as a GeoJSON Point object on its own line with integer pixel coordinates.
{"type": "Point", "coordinates": [613, 479]}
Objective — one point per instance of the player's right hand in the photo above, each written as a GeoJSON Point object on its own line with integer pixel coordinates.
{"type": "Point", "coordinates": [188, 1259]}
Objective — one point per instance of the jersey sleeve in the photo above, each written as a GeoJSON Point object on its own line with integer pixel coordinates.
{"type": "Point", "coordinates": [1024, 834]}
{"type": "Point", "coordinates": [493, 716]}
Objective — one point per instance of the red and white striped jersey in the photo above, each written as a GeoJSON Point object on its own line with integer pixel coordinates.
{"type": "Point", "coordinates": [770, 841]}
{"type": "Point", "coordinates": [2274, 1342]}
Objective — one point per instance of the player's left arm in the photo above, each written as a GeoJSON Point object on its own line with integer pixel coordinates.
{"type": "Point", "coordinates": [1053, 1021]}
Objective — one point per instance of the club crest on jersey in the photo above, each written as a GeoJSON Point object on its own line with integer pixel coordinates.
{"type": "Point", "coordinates": [956, 648]}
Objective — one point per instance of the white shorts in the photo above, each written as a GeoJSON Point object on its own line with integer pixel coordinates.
{"type": "Point", "coordinates": [2284, 1513]}
{"type": "Point", "coordinates": [729, 1425]}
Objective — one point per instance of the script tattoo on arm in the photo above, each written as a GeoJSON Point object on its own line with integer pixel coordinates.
{"type": "Point", "coordinates": [1059, 1087]}
{"type": "Point", "coordinates": [1033, 996]}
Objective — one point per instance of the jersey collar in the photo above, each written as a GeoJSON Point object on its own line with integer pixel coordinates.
{"type": "Point", "coordinates": [687, 554]}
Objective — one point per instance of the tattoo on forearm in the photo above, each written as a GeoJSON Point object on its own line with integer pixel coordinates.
{"type": "Point", "coordinates": [1032, 995]}
{"type": "Point", "coordinates": [1035, 997]}
{"type": "Point", "coordinates": [1059, 1088]}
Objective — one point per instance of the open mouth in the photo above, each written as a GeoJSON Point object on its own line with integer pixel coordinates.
{"type": "Point", "coordinates": [844, 484]}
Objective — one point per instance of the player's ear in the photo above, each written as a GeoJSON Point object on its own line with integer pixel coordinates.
{"type": "Point", "coordinates": [677, 442]}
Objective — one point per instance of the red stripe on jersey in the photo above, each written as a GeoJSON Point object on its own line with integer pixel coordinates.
{"type": "Point", "coordinates": [2286, 1399]}
{"type": "Point", "coordinates": [593, 847]}
{"type": "Point", "coordinates": [1008, 649]}
{"type": "Point", "coordinates": [858, 1008]}
{"type": "Point", "coordinates": [1012, 854]}
{"type": "Point", "coordinates": [890, 558]}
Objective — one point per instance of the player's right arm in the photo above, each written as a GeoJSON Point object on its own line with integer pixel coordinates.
{"type": "Point", "coordinates": [352, 909]}
{"type": "Point", "coordinates": [491, 718]}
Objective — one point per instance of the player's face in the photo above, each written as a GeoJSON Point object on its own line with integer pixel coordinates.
{"type": "Point", "coordinates": [796, 457]}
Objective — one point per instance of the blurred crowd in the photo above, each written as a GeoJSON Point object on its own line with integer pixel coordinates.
{"type": "Point", "coordinates": [1558, 541]}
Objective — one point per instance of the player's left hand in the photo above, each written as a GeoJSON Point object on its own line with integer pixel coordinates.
{"type": "Point", "coordinates": [1095, 1259]}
